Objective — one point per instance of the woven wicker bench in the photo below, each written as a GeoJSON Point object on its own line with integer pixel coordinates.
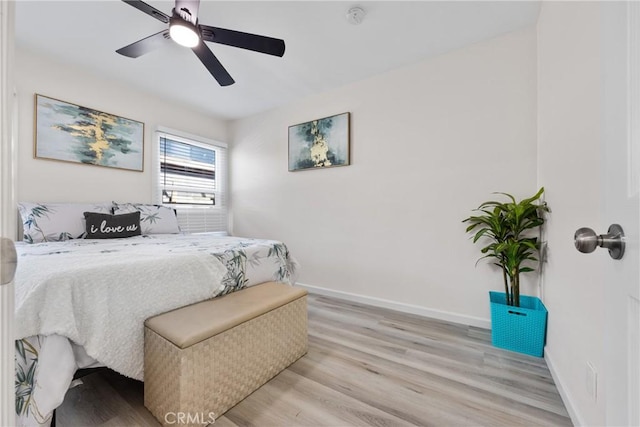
{"type": "Point", "coordinates": [201, 360]}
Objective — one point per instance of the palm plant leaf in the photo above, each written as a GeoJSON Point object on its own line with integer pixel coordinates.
{"type": "Point", "coordinates": [506, 225]}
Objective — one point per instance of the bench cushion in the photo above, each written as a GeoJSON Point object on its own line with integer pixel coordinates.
{"type": "Point", "coordinates": [189, 325]}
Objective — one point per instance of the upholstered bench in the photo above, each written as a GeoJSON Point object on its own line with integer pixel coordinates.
{"type": "Point", "coordinates": [201, 360]}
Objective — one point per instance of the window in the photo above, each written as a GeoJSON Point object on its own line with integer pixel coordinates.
{"type": "Point", "coordinates": [191, 179]}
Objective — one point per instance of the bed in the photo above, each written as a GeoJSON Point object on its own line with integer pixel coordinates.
{"type": "Point", "coordinates": [82, 303]}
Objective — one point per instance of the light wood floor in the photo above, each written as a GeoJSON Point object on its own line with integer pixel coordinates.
{"type": "Point", "coordinates": [366, 366]}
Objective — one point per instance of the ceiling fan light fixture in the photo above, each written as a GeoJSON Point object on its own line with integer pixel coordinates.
{"type": "Point", "coordinates": [183, 32]}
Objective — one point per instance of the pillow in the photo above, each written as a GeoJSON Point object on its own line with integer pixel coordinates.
{"type": "Point", "coordinates": [154, 219]}
{"type": "Point", "coordinates": [54, 222]}
{"type": "Point", "coordinates": [107, 226]}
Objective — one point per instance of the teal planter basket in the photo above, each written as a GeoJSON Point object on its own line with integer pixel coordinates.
{"type": "Point", "coordinates": [522, 329]}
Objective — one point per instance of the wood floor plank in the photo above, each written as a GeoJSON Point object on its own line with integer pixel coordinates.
{"type": "Point", "coordinates": [400, 378]}
{"type": "Point", "coordinates": [96, 403]}
{"type": "Point", "coordinates": [366, 366]}
{"type": "Point", "coordinates": [461, 363]}
{"type": "Point", "coordinates": [309, 403]}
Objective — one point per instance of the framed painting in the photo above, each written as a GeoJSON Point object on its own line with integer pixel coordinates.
{"type": "Point", "coordinates": [71, 133]}
{"type": "Point", "coordinates": [319, 143]}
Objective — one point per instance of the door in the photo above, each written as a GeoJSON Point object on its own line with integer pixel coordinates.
{"type": "Point", "coordinates": [8, 127]}
{"type": "Point", "coordinates": [620, 201]}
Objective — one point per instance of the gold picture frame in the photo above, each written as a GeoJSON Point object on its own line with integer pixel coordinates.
{"type": "Point", "coordinates": [320, 143]}
{"type": "Point", "coordinates": [71, 133]}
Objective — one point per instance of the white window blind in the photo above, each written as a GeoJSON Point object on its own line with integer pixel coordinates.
{"type": "Point", "coordinates": [192, 180]}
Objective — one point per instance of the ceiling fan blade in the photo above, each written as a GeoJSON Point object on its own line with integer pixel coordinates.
{"type": "Point", "coordinates": [213, 65]}
{"type": "Point", "coordinates": [145, 45]}
{"type": "Point", "coordinates": [149, 10]}
{"type": "Point", "coordinates": [254, 42]}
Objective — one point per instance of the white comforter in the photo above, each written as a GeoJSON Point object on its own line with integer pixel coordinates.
{"type": "Point", "coordinates": [98, 293]}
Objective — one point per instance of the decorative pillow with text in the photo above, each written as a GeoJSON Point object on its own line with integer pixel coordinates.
{"type": "Point", "coordinates": [106, 226]}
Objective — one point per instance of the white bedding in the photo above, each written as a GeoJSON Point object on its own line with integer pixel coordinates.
{"type": "Point", "coordinates": [98, 293]}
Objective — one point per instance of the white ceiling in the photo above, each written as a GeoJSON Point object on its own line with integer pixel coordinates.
{"type": "Point", "coordinates": [323, 50]}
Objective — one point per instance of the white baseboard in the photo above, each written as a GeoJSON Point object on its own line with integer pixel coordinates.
{"type": "Point", "coordinates": [399, 306]}
{"type": "Point", "coordinates": [576, 419]}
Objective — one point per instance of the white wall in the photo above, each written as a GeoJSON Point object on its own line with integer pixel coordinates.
{"type": "Point", "coordinates": [569, 131]}
{"type": "Point", "coordinates": [42, 180]}
{"type": "Point", "coordinates": [429, 142]}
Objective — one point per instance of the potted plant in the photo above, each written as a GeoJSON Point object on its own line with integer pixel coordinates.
{"type": "Point", "coordinates": [518, 322]}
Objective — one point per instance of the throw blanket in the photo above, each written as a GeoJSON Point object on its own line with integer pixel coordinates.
{"type": "Point", "coordinates": [98, 293]}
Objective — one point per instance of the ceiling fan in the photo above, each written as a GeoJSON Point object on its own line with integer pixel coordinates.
{"type": "Point", "coordinates": [185, 30]}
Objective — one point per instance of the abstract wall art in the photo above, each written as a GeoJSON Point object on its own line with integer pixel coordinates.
{"type": "Point", "coordinates": [72, 133]}
{"type": "Point", "coordinates": [320, 143]}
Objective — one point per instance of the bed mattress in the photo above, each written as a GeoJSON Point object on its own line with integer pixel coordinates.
{"type": "Point", "coordinates": [95, 295]}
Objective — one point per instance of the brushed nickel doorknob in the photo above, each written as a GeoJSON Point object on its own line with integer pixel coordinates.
{"type": "Point", "coordinates": [586, 241]}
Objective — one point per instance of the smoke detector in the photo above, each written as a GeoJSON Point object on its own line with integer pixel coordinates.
{"type": "Point", "coordinates": [355, 15]}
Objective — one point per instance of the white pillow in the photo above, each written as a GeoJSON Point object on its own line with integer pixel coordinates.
{"type": "Point", "coordinates": [154, 219]}
{"type": "Point", "coordinates": [55, 222]}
